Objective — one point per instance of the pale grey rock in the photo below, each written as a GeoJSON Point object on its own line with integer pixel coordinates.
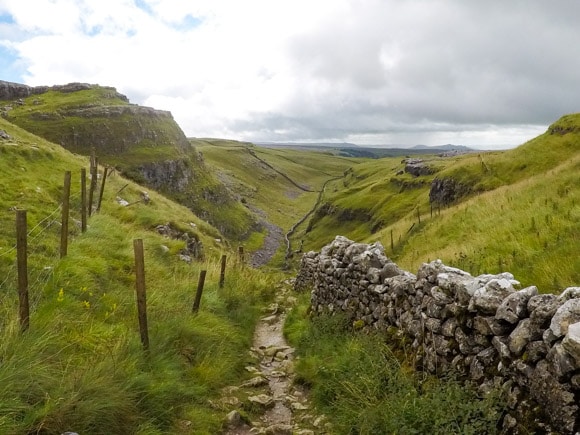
{"type": "Point", "coordinates": [566, 315]}
{"type": "Point", "coordinates": [257, 381]}
{"type": "Point", "coordinates": [234, 419]}
{"type": "Point", "coordinates": [262, 400]}
{"type": "Point", "coordinates": [501, 345]}
{"type": "Point", "coordinates": [515, 306]}
{"type": "Point", "coordinates": [520, 337]}
{"type": "Point", "coordinates": [571, 342]}
{"type": "Point", "coordinates": [542, 308]}
{"type": "Point", "coordinates": [562, 363]}
{"type": "Point", "coordinates": [570, 293]}
{"type": "Point", "coordinates": [279, 429]}
{"type": "Point", "coordinates": [487, 299]}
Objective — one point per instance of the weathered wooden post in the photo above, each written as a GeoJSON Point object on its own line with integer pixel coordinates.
{"type": "Point", "coordinates": [241, 254]}
{"type": "Point", "coordinates": [102, 188]}
{"type": "Point", "coordinates": [141, 294]}
{"type": "Point", "coordinates": [223, 271]}
{"type": "Point", "coordinates": [92, 188]}
{"type": "Point", "coordinates": [83, 200]}
{"type": "Point", "coordinates": [65, 213]}
{"type": "Point", "coordinates": [392, 244]}
{"type": "Point", "coordinates": [199, 291]}
{"type": "Point", "coordinates": [22, 265]}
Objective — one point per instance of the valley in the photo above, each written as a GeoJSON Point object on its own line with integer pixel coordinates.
{"type": "Point", "coordinates": [80, 366]}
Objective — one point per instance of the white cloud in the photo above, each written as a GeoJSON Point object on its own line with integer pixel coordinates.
{"type": "Point", "coordinates": [402, 72]}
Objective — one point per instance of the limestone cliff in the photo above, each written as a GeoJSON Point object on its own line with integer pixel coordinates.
{"type": "Point", "coordinates": [143, 143]}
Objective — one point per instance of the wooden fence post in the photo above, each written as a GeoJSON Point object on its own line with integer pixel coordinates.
{"type": "Point", "coordinates": [65, 213]}
{"type": "Point", "coordinates": [92, 186]}
{"type": "Point", "coordinates": [141, 294]}
{"type": "Point", "coordinates": [223, 271]}
{"type": "Point", "coordinates": [22, 264]}
{"type": "Point", "coordinates": [241, 254]}
{"type": "Point", "coordinates": [83, 200]}
{"type": "Point", "coordinates": [102, 188]}
{"type": "Point", "coordinates": [392, 244]}
{"type": "Point", "coordinates": [199, 291]}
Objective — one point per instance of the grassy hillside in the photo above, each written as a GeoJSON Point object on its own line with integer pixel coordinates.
{"type": "Point", "coordinates": [280, 185]}
{"type": "Point", "coordinates": [145, 144]}
{"type": "Point", "coordinates": [519, 211]}
{"type": "Point", "coordinates": [80, 367]}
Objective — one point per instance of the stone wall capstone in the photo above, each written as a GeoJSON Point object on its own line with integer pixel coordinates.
{"type": "Point", "coordinates": [487, 328]}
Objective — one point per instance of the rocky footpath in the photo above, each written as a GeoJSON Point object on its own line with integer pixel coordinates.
{"type": "Point", "coordinates": [486, 328]}
{"type": "Point", "coordinates": [269, 402]}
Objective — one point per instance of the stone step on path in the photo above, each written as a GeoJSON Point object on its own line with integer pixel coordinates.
{"type": "Point", "coordinates": [282, 407]}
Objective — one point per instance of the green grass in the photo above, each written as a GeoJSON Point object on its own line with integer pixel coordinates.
{"type": "Point", "coordinates": [263, 189]}
{"type": "Point", "coordinates": [521, 215]}
{"type": "Point", "coordinates": [363, 388]}
{"type": "Point", "coordinates": [135, 140]}
{"type": "Point", "coordinates": [80, 367]}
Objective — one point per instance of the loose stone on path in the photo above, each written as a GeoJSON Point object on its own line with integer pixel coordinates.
{"type": "Point", "coordinates": [283, 407]}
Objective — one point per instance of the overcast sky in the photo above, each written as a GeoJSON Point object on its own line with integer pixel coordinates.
{"type": "Point", "coordinates": [492, 73]}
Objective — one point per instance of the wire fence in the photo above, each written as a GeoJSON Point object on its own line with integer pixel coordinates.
{"type": "Point", "coordinates": [41, 245]}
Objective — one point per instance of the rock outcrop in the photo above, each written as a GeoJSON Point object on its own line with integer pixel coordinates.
{"type": "Point", "coordinates": [445, 191]}
{"type": "Point", "coordinates": [14, 91]}
{"type": "Point", "coordinates": [418, 167]}
{"type": "Point", "coordinates": [484, 327]}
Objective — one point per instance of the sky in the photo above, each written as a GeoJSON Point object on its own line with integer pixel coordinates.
{"type": "Point", "coordinates": [491, 74]}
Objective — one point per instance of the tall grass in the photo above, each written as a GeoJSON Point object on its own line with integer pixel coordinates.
{"type": "Point", "coordinates": [363, 388]}
{"type": "Point", "coordinates": [80, 367]}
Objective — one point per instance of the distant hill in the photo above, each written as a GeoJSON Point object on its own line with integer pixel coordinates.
{"type": "Point", "coordinates": [447, 147]}
{"type": "Point", "coordinates": [346, 149]}
{"type": "Point", "coordinates": [143, 143]}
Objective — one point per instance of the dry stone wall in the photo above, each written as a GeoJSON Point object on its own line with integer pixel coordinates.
{"type": "Point", "coordinates": [486, 327]}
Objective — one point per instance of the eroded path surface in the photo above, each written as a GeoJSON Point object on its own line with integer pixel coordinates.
{"type": "Point", "coordinates": [281, 406]}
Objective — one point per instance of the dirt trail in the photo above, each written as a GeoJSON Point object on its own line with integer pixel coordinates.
{"type": "Point", "coordinates": [282, 407]}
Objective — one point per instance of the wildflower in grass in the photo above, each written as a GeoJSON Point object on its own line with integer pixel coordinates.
{"type": "Point", "coordinates": [86, 304]}
{"type": "Point", "coordinates": [60, 297]}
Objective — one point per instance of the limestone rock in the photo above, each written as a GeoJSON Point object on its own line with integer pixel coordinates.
{"type": "Point", "coordinates": [279, 429]}
{"type": "Point", "coordinates": [566, 315]}
{"type": "Point", "coordinates": [542, 308]}
{"type": "Point", "coordinates": [520, 337]}
{"type": "Point", "coordinates": [262, 400]}
{"type": "Point", "coordinates": [487, 299]}
{"type": "Point", "coordinates": [571, 342]}
{"type": "Point", "coordinates": [515, 306]}
{"type": "Point", "coordinates": [570, 293]}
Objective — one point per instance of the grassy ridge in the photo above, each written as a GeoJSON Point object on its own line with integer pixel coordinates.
{"type": "Point", "coordinates": [138, 141]}
{"type": "Point", "coordinates": [522, 214]}
{"type": "Point", "coordinates": [80, 367]}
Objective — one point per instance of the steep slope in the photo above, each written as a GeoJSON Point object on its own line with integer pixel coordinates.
{"type": "Point", "coordinates": [514, 211]}
{"type": "Point", "coordinates": [145, 144]}
{"type": "Point", "coordinates": [81, 366]}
